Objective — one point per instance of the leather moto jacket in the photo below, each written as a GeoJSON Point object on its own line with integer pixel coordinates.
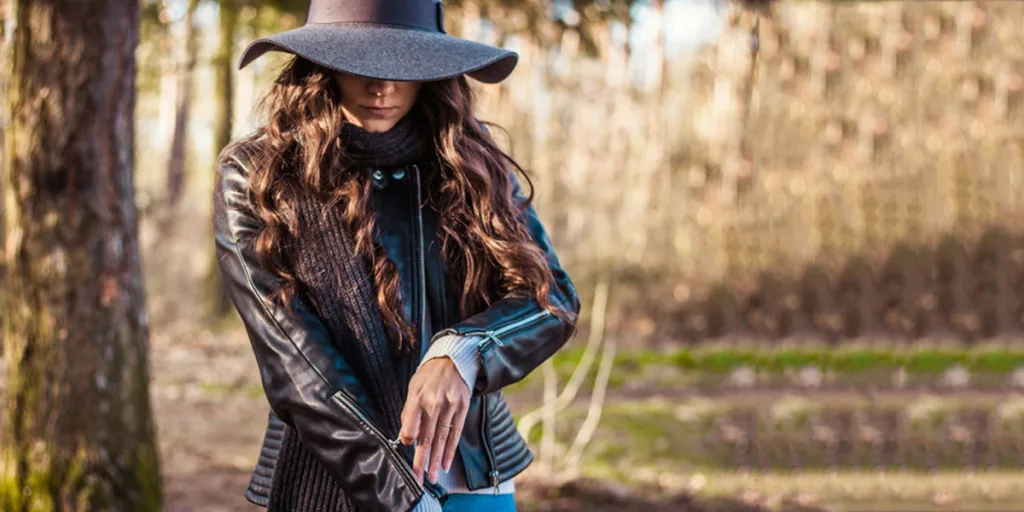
{"type": "Point", "coordinates": [310, 385]}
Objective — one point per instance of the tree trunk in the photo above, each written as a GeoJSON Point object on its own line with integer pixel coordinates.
{"type": "Point", "coordinates": [176, 160]}
{"type": "Point", "coordinates": [220, 304]}
{"type": "Point", "coordinates": [735, 68]}
{"type": "Point", "coordinates": [656, 72]}
{"type": "Point", "coordinates": [78, 430]}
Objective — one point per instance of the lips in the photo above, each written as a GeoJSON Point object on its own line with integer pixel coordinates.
{"type": "Point", "coordinates": [379, 111]}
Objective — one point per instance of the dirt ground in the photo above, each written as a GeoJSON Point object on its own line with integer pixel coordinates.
{"type": "Point", "coordinates": [209, 418]}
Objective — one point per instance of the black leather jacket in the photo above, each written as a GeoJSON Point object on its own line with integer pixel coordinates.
{"type": "Point", "coordinates": [310, 386]}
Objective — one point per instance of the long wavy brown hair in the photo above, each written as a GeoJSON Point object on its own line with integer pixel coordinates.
{"type": "Point", "coordinates": [488, 251]}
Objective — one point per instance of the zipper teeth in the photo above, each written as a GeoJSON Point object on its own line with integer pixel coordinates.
{"type": "Point", "coordinates": [492, 335]}
{"type": "Point", "coordinates": [487, 442]}
{"type": "Point", "coordinates": [403, 466]}
{"type": "Point", "coordinates": [423, 265]}
{"type": "Point", "coordinates": [518, 323]}
{"type": "Point", "coordinates": [423, 270]}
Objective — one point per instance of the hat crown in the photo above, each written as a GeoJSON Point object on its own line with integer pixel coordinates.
{"type": "Point", "coordinates": [420, 14]}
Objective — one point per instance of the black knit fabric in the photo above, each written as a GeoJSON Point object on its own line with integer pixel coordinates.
{"type": "Point", "coordinates": [301, 484]}
{"type": "Point", "coordinates": [338, 286]}
{"type": "Point", "coordinates": [406, 142]}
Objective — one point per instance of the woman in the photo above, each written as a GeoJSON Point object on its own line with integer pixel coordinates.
{"type": "Point", "coordinates": [388, 267]}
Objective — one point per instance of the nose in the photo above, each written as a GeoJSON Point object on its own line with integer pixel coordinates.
{"type": "Point", "coordinates": [381, 87]}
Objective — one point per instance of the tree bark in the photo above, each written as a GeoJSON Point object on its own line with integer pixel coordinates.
{"type": "Point", "coordinates": [78, 431]}
{"type": "Point", "coordinates": [176, 174]}
{"type": "Point", "coordinates": [220, 304]}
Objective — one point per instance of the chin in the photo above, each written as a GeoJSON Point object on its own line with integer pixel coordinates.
{"type": "Point", "coordinates": [378, 125]}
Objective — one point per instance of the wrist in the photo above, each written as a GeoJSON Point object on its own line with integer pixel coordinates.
{"type": "Point", "coordinates": [462, 351]}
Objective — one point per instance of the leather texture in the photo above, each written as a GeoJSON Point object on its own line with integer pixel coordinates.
{"type": "Point", "coordinates": [313, 389]}
{"type": "Point", "coordinates": [258, 491]}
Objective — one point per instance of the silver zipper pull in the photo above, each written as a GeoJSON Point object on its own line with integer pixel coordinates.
{"type": "Point", "coordinates": [497, 341]}
{"type": "Point", "coordinates": [396, 442]}
{"type": "Point", "coordinates": [494, 480]}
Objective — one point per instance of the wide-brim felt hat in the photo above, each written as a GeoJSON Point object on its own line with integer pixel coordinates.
{"type": "Point", "coordinates": [401, 40]}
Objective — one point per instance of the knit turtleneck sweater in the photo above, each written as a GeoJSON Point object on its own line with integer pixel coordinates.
{"type": "Point", "coordinates": [406, 142]}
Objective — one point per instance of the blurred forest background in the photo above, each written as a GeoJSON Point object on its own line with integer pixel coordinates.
{"type": "Point", "coordinates": [796, 227]}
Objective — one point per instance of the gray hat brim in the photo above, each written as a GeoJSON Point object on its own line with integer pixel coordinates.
{"type": "Point", "coordinates": [388, 52]}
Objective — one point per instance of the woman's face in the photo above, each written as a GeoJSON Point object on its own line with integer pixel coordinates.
{"type": "Point", "coordinates": [375, 105]}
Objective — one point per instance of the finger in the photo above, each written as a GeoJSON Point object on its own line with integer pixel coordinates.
{"type": "Point", "coordinates": [411, 415]}
{"type": "Point", "coordinates": [419, 460]}
{"type": "Point", "coordinates": [444, 427]}
{"type": "Point", "coordinates": [428, 427]}
{"type": "Point", "coordinates": [458, 422]}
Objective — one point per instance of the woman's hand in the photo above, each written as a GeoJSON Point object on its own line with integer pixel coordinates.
{"type": "Point", "coordinates": [434, 414]}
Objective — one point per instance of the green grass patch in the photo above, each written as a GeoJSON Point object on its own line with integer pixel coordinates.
{"type": "Point", "coordinates": [724, 361]}
{"type": "Point", "coordinates": [793, 358]}
{"type": "Point", "coordinates": [861, 360]}
{"type": "Point", "coordinates": [996, 361]}
{"type": "Point", "coordinates": [687, 365]}
{"type": "Point", "coordinates": [934, 361]}
{"type": "Point", "coordinates": [840, 360]}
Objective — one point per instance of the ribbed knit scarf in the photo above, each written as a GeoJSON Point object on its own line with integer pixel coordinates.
{"type": "Point", "coordinates": [337, 283]}
{"type": "Point", "coordinates": [406, 142]}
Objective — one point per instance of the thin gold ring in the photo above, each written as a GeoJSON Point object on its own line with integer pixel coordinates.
{"type": "Point", "coordinates": [446, 425]}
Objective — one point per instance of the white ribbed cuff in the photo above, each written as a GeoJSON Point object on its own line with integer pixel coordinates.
{"type": "Point", "coordinates": [462, 350]}
{"type": "Point", "coordinates": [428, 504]}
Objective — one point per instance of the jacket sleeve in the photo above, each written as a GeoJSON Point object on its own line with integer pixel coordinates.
{"type": "Point", "coordinates": [307, 381]}
{"type": "Point", "coordinates": [516, 334]}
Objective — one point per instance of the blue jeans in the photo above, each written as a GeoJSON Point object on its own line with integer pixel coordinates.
{"type": "Point", "coordinates": [462, 502]}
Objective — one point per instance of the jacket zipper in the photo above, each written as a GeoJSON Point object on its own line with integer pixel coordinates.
{"type": "Point", "coordinates": [492, 337]}
{"type": "Point", "coordinates": [487, 444]}
{"type": "Point", "coordinates": [423, 264]}
{"type": "Point", "coordinates": [349, 404]}
{"type": "Point", "coordinates": [438, 491]}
